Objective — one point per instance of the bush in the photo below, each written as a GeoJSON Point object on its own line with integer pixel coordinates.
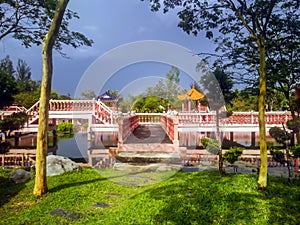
{"type": "Point", "coordinates": [4, 147]}
{"type": "Point", "coordinates": [211, 145]}
{"type": "Point", "coordinates": [233, 154]}
{"type": "Point", "coordinates": [65, 127]}
{"type": "Point", "coordinates": [296, 151]}
{"type": "Point", "coordinates": [277, 155]}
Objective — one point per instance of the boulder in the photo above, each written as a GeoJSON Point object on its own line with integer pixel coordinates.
{"type": "Point", "coordinates": [20, 176]}
{"type": "Point", "coordinates": [58, 164]}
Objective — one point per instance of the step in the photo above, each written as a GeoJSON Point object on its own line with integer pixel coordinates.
{"type": "Point", "coordinates": [148, 148]}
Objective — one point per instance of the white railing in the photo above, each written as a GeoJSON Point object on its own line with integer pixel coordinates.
{"type": "Point", "coordinates": [149, 118]}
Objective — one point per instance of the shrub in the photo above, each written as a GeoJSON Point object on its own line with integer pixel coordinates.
{"type": "Point", "coordinates": [4, 147]}
{"type": "Point", "coordinates": [211, 145]}
{"type": "Point", "coordinates": [233, 154]}
{"type": "Point", "coordinates": [65, 127]}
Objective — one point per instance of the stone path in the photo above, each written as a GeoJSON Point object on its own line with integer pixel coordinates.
{"type": "Point", "coordinates": [148, 134]}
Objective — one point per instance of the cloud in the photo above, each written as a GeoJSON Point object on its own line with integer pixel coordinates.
{"type": "Point", "coordinates": [142, 29]}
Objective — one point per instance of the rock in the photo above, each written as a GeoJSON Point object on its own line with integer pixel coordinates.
{"type": "Point", "coordinates": [101, 205]}
{"type": "Point", "coordinates": [20, 176]}
{"type": "Point", "coordinates": [58, 164]}
{"type": "Point", "coordinates": [66, 213]}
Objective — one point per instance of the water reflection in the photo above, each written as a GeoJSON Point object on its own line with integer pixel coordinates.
{"type": "Point", "coordinates": [77, 146]}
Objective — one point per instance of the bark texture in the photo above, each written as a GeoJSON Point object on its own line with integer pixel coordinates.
{"type": "Point", "coordinates": [40, 186]}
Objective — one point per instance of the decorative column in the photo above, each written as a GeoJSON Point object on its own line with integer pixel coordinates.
{"type": "Point", "coordinates": [17, 136]}
{"type": "Point", "coordinates": [175, 124]}
{"type": "Point", "coordinates": [253, 139]}
{"type": "Point", "coordinates": [120, 133]}
{"type": "Point", "coordinates": [54, 138]}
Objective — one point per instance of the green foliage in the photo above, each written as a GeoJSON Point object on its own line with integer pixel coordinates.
{"type": "Point", "coordinates": [294, 124]}
{"type": "Point", "coordinates": [280, 135]}
{"type": "Point", "coordinates": [26, 99]}
{"type": "Point", "coordinates": [15, 121]}
{"type": "Point", "coordinates": [244, 101]}
{"type": "Point", "coordinates": [31, 21]}
{"type": "Point", "coordinates": [211, 145]}
{"type": "Point", "coordinates": [278, 155]}
{"type": "Point", "coordinates": [65, 127]}
{"type": "Point", "coordinates": [4, 147]}
{"type": "Point", "coordinates": [89, 95]}
{"type": "Point", "coordinates": [7, 88]}
{"type": "Point", "coordinates": [295, 151]}
{"type": "Point", "coordinates": [185, 198]}
{"type": "Point", "coordinates": [233, 154]}
{"type": "Point", "coordinates": [150, 104]}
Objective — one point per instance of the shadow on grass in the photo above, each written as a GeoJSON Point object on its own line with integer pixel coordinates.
{"type": "Point", "coordinates": [75, 184]}
{"type": "Point", "coordinates": [284, 201]}
{"type": "Point", "coordinates": [89, 178]}
{"type": "Point", "coordinates": [208, 198]}
{"type": "Point", "coordinates": [8, 190]}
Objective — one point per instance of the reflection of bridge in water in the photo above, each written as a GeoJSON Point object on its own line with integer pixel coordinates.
{"type": "Point", "coordinates": [149, 131]}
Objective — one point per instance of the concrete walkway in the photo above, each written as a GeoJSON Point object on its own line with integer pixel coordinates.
{"type": "Point", "coordinates": [148, 134]}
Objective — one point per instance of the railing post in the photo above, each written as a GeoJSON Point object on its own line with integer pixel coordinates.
{"type": "Point", "coordinates": [175, 130]}
{"type": "Point", "coordinates": [120, 133]}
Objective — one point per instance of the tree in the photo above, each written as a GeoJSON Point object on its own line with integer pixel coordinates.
{"type": "Point", "coordinates": [282, 137]}
{"type": "Point", "coordinates": [7, 88]}
{"type": "Point", "coordinates": [29, 21]}
{"type": "Point", "coordinates": [168, 89]}
{"type": "Point", "coordinates": [7, 65]}
{"type": "Point", "coordinates": [150, 104]}
{"type": "Point", "coordinates": [244, 27]}
{"type": "Point", "coordinates": [215, 98]}
{"type": "Point", "coordinates": [89, 95]}
{"type": "Point", "coordinates": [244, 101]}
{"type": "Point", "coordinates": [15, 121]}
{"type": "Point", "coordinates": [23, 77]}
{"type": "Point", "coordinates": [49, 41]}
{"type": "Point", "coordinates": [283, 56]}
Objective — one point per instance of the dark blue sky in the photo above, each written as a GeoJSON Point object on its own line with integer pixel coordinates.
{"type": "Point", "coordinates": [110, 24]}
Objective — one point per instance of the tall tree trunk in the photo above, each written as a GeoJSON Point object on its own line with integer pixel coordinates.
{"type": "Point", "coordinates": [263, 171]}
{"type": "Point", "coordinates": [40, 186]}
{"type": "Point", "coordinates": [218, 137]}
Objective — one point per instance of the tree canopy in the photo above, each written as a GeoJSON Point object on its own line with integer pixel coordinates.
{"type": "Point", "coordinates": [243, 28]}
{"type": "Point", "coordinates": [29, 21]}
{"type": "Point", "coordinates": [7, 88]}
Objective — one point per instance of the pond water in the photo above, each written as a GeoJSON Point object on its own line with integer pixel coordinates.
{"type": "Point", "coordinates": [76, 147]}
{"type": "Point", "coordinates": [73, 147]}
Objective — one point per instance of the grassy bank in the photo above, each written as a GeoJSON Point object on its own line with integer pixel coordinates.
{"type": "Point", "coordinates": [185, 198]}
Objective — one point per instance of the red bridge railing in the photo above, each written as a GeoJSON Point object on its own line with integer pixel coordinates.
{"type": "Point", "coordinates": [127, 124]}
{"type": "Point", "coordinates": [170, 125]}
{"type": "Point", "coordinates": [235, 118]}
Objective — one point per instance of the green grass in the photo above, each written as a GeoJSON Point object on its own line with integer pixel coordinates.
{"type": "Point", "coordinates": [185, 198]}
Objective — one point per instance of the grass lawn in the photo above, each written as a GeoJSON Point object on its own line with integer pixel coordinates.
{"type": "Point", "coordinates": [184, 198]}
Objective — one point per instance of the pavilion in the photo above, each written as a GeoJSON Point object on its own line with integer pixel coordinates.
{"type": "Point", "coordinates": [110, 100]}
{"type": "Point", "coordinates": [194, 95]}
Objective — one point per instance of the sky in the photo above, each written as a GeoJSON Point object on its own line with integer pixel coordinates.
{"type": "Point", "coordinates": [112, 24]}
